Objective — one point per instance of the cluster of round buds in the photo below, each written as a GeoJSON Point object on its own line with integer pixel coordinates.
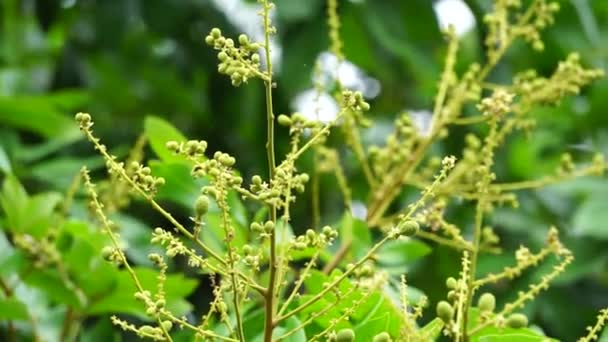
{"type": "Point", "coordinates": [314, 239]}
{"type": "Point", "coordinates": [404, 228]}
{"type": "Point", "coordinates": [543, 16]}
{"type": "Point", "coordinates": [191, 148]}
{"type": "Point", "coordinates": [486, 302]}
{"type": "Point", "coordinates": [220, 170]}
{"type": "Point", "coordinates": [445, 311]}
{"type": "Point", "coordinates": [257, 184]}
{"type": "Point", "coordinates": [155, 333]}
{"type": "Point", "coordinates": [354, 101]}
{"type": "Point", "coordinates": [252, 259]}
{"type": "Point", "coordinates": [366, 270]}
{"type": "Point", "coordinates": [111, 254]}
{"type": "Point", "coordinates": [344, 335]}
{"type": "Point", "coordinates": [382, 337]}
{"type": "Point", "coordinates": [263, 229]}
{"type": "Point", "coordinates": [142, 176]}
{"type": "Point", "coordinates": [84, 121]}
{"type": "Point", "coordinates": [240, 63]}
{"type": "Point", "coordinates": [566, 165]}
{"type": "Point", "coordinates": [297, 182]}
{"type": "Point", "coordinates": [497, 105]}
{"type": "Point", "coordinates": [517, 321]}
{"type": "Point", "coordinates": [568, 79]}
{"type": "Point", "coordinates": [298, 123]}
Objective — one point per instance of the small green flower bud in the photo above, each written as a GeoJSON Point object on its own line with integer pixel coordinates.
{"type": "Point", "coordinates": [487, 302]}
{"type": "Point", "coordinates": [255, 58]}
{"type": "Point", "coordinates": [167, 325]}
{"type": "Point", "coordinates": [284, 120]}
{"type": "Point", "coordinates": [83, 118]}
{"type": "Point", "coordinates": [311, 235]}
{"type": "Point", "coordinates": [147, 330]}
{"type": "Point", "coordinates": [382, 337]}
{"type": "Point", "coordinates": [172, 146]}
{"type": "Point", "coordinates": [243, 40]}
{"type": "Point", "coordinates": [216, 33]}
{"type": "Point", "coordinates": [451, 283]}
{"type": "Point", "coordinates": [409, 228]}
{"type": "Point", "coordinates": [222, 56]}
{"type": "Point", "coordinates": [202, 205]}
{"type": "Point", "coordinates": [107, 253]}
{"type": "Point", "coordinates": [247, 250]}
{"type": "Point", "coordinates": [268, 226]}
{"type": "Point", "coordinates": [345, 335]}
{"type": "Point", "coordinates": [364, 106]}
{"type": "Point", "coordinates": [209, 40]}
{"type": "Point", "coordinates": [253, 47]}
{"type": "Point", "coordinates": [256, 227]}
{"type": "Point", "coordinates": [445, 311]}
{"type": "Point", "coordinates": [257, 180]}
{"type": "Point", "coordinates": [517, 321]}
{"type": "Point", "coordinates": [227, 160]}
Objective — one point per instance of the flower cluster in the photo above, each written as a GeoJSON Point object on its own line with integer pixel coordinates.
{"type": "Point", "coordinates": [240, 63]}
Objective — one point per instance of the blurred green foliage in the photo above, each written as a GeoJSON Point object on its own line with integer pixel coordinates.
{"type": "Point", "coordinates": [125, 60]}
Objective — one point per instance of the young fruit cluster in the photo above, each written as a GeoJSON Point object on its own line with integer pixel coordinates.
{"type": "Point", "coordinates": [240, 63]}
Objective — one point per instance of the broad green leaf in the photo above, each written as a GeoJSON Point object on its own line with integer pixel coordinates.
{"type": "Point", "coordinates": [402, 252]}
{"type": "Point", "coordinates": [253, 327]}
{"type": "Point", "coordinates": [12, 309]}
{"type": "Point", "coordinates": [54, 287]}
{"type": "Point", "coordinates": [159, 132]}
{"type": "Point", "coordinates": [432, 329]}
{"type": "Point", "coordinates": [13, 200]}
{"type": "Point", "coordinates": [591, 218]}
{"type": "Point", "coordinates": [357, 232]}
{"type": "Point", "coordinates": [39, 115]}
{"type": "Point", "coordinates": [5, 163]}
{"type": "Point", "coordinates": [180, 187]}
{"type": "Point", "coordinates": [297, 10]}
{"type": "Point", "coordinates": [60, 172]}
{"type": "Point", "coordinates": [121, 300]}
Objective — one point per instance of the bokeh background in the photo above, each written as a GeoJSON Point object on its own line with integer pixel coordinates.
{"type": "Point", "coordinates": [125, 60]}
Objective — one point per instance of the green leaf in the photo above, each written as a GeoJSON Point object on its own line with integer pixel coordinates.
{"type": "Point", "coordinates": [54, 287]}
{"type": "Point", "coordinates": [31, 215]}
{"type": "Point", "coordinates": [39, 115]}
{"type": "Point", "coordinates": [253, 328]}
{"type": "Point", "coordinates": [432, 330]}
{"type": "Point", "coordinates": [591, 218]}
{"type": "Point", "coordinates": [159, 132]}
{"type": "Point", "coordinates": [356, 231]}
{"type": "Point", "coordinates": [297, 10]}
{"type": "Point", "coordinates": [12, 309]}
{"type": "Point", "coordinates": [5, 163]}
{"type": "Point", "coordinates": [402, 252]}
{"type": "Point", "coordinates": [180, 187]}
{"type": "Point", "coordinates": [121, 300]}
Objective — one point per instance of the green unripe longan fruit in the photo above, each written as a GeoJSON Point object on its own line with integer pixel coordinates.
{"type": "Point", "coordinates": [451, 283]}
{"type": "Point", "coordinates": [445, 311]}
{"type": "Point", "coordinates": [382, 337]}
{"type": "Point", "coordinates": [202, 205]}
{"type": "Point", "coordinates": [216, 33]}
{"type": "Point", "coordinates": [345, 335]}
{"type": "Point", "coordinates": [107, 253]}
{"type": "Point", "coordinates": [517, 321]}
{"type": "Point", "coordinates": [167, 325]}
{"type": "Point", "coordinates": [487, 302]}
{"type": "Point", "coordinates": [284, 120]}
{"type": "Point", "coordinates": [409, 228]}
